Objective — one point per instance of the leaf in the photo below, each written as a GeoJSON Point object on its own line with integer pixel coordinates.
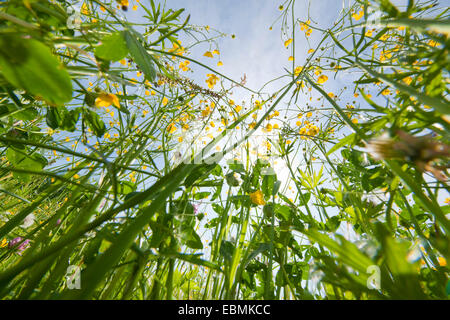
{"type": "Point", "coordinates": [199, 172]}
{"type": "Point", "coordinates": [113, 47]}
{"type": "Point", "coordinates": [30, 65]}
{"type": "Point", "coordinates": [261, 248]}
{"type": "Point", "coordinates": [344, 141]}
{"type": "Point", "coordinates": [21, 159]}
{"type": "Point", "coordinates": [95, 123]}
{"type": "Point", "coordinates": [201, 195]}
{"type": "Point", "coordinates": [190, 238]}
{"type": "Point", "coordinates": [333, 223]}
{"type": "Point", "coordinates": [346, 251]}
{"type": "Point", "coordinates": [236, 166]}
{"type": "Point", "coordinates": [26, 114]}
{"type": "Point", "coordinates": [140, 56]}
{"type": "Point", "coordinates": [227, 250]}
{"type": "Point", "coordinates": [194, 259]}
{"type": "Point", "coordinates": [268, 185]}
{"type": "Point", "coordinates": [283, 212]}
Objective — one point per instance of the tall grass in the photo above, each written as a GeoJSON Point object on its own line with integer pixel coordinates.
{"type": "Point", "coordinates": [93, 182]}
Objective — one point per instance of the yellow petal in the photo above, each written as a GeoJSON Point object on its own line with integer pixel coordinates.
{"type": "Point", "coordinates": [257, 198]}
{"type": "Point", "coordinates": [287, 42]}
{"type": "Point", "coordinates": [208, 54]}
{"type": "Point", "coordinates": [322, 79]}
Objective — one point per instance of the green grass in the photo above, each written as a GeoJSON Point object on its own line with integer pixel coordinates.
{"type": "Point", "coordinates": [89, 148]}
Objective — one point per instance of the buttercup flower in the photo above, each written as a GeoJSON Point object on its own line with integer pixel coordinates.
{"type": "Point", "coordinates": [257, 198]}
{"type": "Point", "coordinates": [322, 79]}
{"type": "Point", "coordinates": [106, 99]}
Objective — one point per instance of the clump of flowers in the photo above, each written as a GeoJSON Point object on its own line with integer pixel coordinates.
{"type": "Point", "coordinates": [309, 130]}
{"type": "Point", "coordinates": [212, 80]}
{"type": "Point", "coordinates": [423, 151]}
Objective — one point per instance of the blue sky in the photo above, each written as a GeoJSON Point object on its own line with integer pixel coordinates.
{"type": "Point", "coordinates": [256, 51]}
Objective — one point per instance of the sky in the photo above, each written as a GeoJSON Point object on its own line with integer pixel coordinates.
{"type": "Point", "coordinates": [255, 51]}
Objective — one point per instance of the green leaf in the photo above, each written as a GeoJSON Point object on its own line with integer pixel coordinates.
{"type": "Point", "coordinates": [113, 47]}
{"type": "Point", "coordinates": [21, 159]}
{"type": "Point", "coordinates": [346, 251]}
{"type": "Point", "coordinates": [54, 117]}
{"type": "Point", "coordinates": [30, 65]}
{"type": "Point", "coordinates": [95, 123]}
{"type": "Point", "coordinates": [190, 238]}
{"type": "Point", "coordinates": [26, 114]}
{"type": "Point", "coordinates": [140, 56]}
{"type": "Point", "coordinates": [283, 212]}
{"type": "Point", "coordinates": [261, 248]}
{"type": "Point", "coordinates": [201, 195]}
{"type": "Point", "coordinates": [268, 185]}
{"type": "Point", "coordinates": [344, 141]}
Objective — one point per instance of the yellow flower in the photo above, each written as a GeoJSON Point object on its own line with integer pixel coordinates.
{"type": "Point", "coordinates": [310, 51]}
{"type": "Point", "coordinates": [165, 101]}
{"type": "Point", "coordinates": [184, 65]}
{"type": "Point", "coordinates": [298, 70]}
{"type": "Point", "coordinates": [287, 42]}
{"type": "Point", "coordinates": [171, 128]}
{"type": "Point", "coordinates": [433, 43]}
{"type": "Point", "coordinates": [291, 58]}
{"type": "Point", "coordinates": [238, 108]}
{"type": "Point", "coordinates": [3, 243]}
{"type": "Point", "coordinates": [212, 80]}
{"type": "Point", "coordinates": [124, 3]}
{"type": "Point", "coordinates": [257, 198]}
{"type": "Point", "coordinates": [206, 112]}
{"type": "Point", "coordinates": [304, 26]}
{"type": "Point", "coordinates": [358, 15]}
{"type": "Point", "coordinates": [208, 54]}
{"type": "Point", "coordinates": [322, 79]}
{"type": "Point", "coordinates": [216, 52]}
{"type": "Point", "coordinates": [106, 99]}
{"type": "Point", "coordinates": [407, 80]}
{"type": "Point", "coordinates": [369, 33]}
{"type": "Point", "coordinates": [85, 9]}
{"type": "Point", "coordinates": [220, 63]}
